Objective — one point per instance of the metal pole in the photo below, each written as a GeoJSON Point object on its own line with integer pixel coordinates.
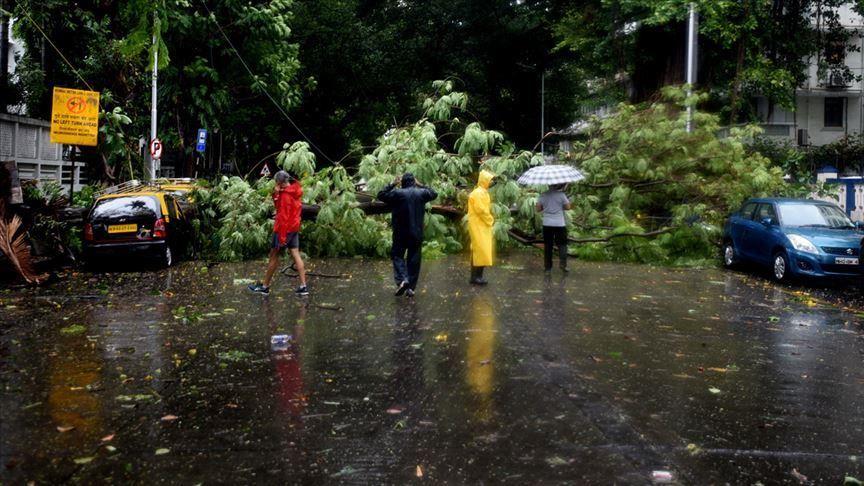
{"type": "Point", "coordinates": [72, 172]}
{"type": "Point", "coordinates": [692, 46]}
{"type": "Point", "coordinates": [153, 110]}
{"type": "Point", "coordinates": [542, 111]}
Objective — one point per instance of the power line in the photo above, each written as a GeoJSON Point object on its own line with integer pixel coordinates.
{"type": "Point", "coordinates": [264, 88]}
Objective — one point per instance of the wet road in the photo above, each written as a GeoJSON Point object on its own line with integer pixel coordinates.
{"type": "Point", "coordinates": [613, 374]}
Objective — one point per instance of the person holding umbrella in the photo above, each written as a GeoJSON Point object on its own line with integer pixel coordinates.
{"type": "Point", "coordinates": [552, 204]}
{"type": "Point", "coordinates": [480, 221]}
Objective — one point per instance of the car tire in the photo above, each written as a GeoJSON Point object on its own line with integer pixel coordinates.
{"type": "Point", "coordinates": [780, 269]}
{"type": "Point", "coordinates": [729, 255]}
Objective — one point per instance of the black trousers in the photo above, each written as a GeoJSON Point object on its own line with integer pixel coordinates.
{"type": "Point", "coordinates": [406, 270]}
{"type": "Point", "coordinates": [554, 236]}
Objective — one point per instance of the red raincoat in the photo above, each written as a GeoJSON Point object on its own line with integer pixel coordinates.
{"type": "Point", "coordinates": [288, 208]}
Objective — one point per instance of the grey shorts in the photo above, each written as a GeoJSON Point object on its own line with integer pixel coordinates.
{"type": "Point", "coordinates": [292, 240]}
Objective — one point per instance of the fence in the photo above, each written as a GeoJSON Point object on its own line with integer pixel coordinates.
{"type": "Point", "coordinates": [26, 141]}
{"type": "Point", "coordinates": [850, 192]}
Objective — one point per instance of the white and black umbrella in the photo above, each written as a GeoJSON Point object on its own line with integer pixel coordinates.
{"type": "Point", "coordinates": [547, 175]}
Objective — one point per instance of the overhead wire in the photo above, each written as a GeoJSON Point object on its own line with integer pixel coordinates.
{"type": "Point", "coordinates": [261, 85]}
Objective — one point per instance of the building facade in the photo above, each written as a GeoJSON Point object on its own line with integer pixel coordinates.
{"type": "Point", "coordinates": [827, 108]}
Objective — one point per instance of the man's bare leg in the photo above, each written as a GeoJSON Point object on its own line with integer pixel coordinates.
{"type": "Point", "coordinates": [298, 263]}
{"type": "Point", "coordinates": [272, 266]}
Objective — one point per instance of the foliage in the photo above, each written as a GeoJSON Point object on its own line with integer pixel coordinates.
{"type": "Point", "coordinates": [116, 150]}
{"type": "Point", "coordinates": [846, 154]}
{"type": "Point", "coordinates": [234, 218]}
{"type": "Point", "coordinates": [15, 247]}
{"type": "Point", "coordinates": [84, 197]}
{"type": "Point", "coordinates": [365, 65]}
{"type": "Point", "coordinates": [238, 215]}
{"type": "Point", "coordinates": [654, 192]}
{"type": "Point", "coordinates": [202, 82]}
{"type": "Point", "coordinates": [800, 164]}
{"type": "Point", "coordinates": [671, 190]}
{"type": "Point", "coordinates": [341, 229]}
{"type": "Point", "coordinates": [745, 46]}
{"type": "Point", "coordinates": [785, 155]}
{"type": "Point", "coordinates": [48, 234]}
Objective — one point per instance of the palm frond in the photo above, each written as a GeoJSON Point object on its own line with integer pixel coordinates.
{"type": "Point", "coordinates": [14, 245]}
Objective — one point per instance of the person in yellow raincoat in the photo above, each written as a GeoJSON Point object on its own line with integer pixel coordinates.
{"type": "Point", "coordinates": [480, 221]}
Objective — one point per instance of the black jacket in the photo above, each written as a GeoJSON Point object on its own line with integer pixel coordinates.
{"type": "Point", "coordinates": [408, 206]}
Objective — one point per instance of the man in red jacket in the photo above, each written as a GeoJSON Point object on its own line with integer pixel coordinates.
{"type": "Point", "coordinates": [286, 231]}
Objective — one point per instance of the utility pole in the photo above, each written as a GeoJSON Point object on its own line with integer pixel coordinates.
{"type": "Point", "coordinates": [692, 47]}
{"type": "Point", "coordinates": [542, 111]}
{"type": "Point", "coordinates": [153, 93]}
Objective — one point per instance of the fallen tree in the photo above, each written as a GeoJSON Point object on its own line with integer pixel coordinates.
{"type": "Point", "coordinates": [653, 191]}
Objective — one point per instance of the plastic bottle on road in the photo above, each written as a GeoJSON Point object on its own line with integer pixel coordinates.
{"type": "Point", "coordinates": [280, 342]}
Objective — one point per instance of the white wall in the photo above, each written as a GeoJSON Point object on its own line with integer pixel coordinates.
{"type": "Point", "coordinates": [811, 116]}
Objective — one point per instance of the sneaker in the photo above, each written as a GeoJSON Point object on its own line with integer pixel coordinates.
{"type": "Point", "coordinates": [403, 287]}
{"type": "Point", "coordinates": [409, 292]}
{"type": "Point", "coordinates": [302, 290]}
{"type": "Point", "coordinates": [259, 288]}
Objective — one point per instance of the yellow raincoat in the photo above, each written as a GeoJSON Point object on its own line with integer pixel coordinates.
{"type": "Point", "coordinates": [480, 222]}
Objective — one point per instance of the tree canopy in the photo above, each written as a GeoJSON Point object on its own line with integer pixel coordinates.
{"type": "Point", "coordinates": [747, 47]}
{"type": "Point", "coordinates": [342, 70]}
{"type": "Point", "coordinates": [203, 83]}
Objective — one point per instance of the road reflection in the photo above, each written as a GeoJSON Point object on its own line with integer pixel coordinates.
{"type": "Point", "coordinates": [74, 370]}
{"type": "Point", "coordinates": [479, 366]}
{"type": "Point", "coordinates": [287, 365]}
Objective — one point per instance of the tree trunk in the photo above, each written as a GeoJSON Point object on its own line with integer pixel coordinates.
{"type": "Point", "coordinates": [736, 83]}
{"type": "Point", "coordinates": [739, 66]}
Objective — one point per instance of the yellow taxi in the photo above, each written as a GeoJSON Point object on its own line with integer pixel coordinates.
{"type": "Point", "coordinates": [139, 220]}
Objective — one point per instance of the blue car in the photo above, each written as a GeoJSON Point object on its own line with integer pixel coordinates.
{"type": "Point", "coordinates": [795, 238]}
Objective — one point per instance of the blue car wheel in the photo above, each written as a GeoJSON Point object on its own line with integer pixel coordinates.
{"type": "Point", "coordinates": [780, 267]}
{"type": "Point", "coordinates": [730, 257]}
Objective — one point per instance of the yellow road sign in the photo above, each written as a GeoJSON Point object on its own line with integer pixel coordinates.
{"type": "Point", "coordinates": [75, 117]}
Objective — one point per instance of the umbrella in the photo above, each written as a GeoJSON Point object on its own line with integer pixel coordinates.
{"type": "Point", "coordinates": [547, 175]}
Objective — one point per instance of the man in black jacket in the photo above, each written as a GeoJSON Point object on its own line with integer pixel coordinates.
{"type": "Point", "coordinates": [408, 206]}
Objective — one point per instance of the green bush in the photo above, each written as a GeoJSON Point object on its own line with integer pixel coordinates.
{"type": "Point", "coordinates": [48, 236]}
{"type": "Point", "coordinates": [233, 220]}
{"type": "Point", "coordinates": [647, 175]}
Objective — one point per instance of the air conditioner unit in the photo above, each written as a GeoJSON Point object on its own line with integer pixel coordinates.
{"type": "Point", "coordinates": [803, 137]}
{"type": "Point", "coordinates": [836, 81]}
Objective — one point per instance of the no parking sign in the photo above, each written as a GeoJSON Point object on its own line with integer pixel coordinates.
{"type": "Point", "coordinates": [156, 149]}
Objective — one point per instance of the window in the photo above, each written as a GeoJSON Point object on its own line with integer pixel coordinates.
{"type": "Point", "coordinates": [169, 203]}
{"type": "Point", "coordinates": [835, 51]}
{"type": "Point", "coordinates": [834, 112]}
{"type": "Point", "coordinates": [747, 211]}
{"type": "Point", "coordinates": [126, 207]}
{"type": "Point", "coordinates": [765, 211]}
{"type": "Point", "coordinates": [815, 216]}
